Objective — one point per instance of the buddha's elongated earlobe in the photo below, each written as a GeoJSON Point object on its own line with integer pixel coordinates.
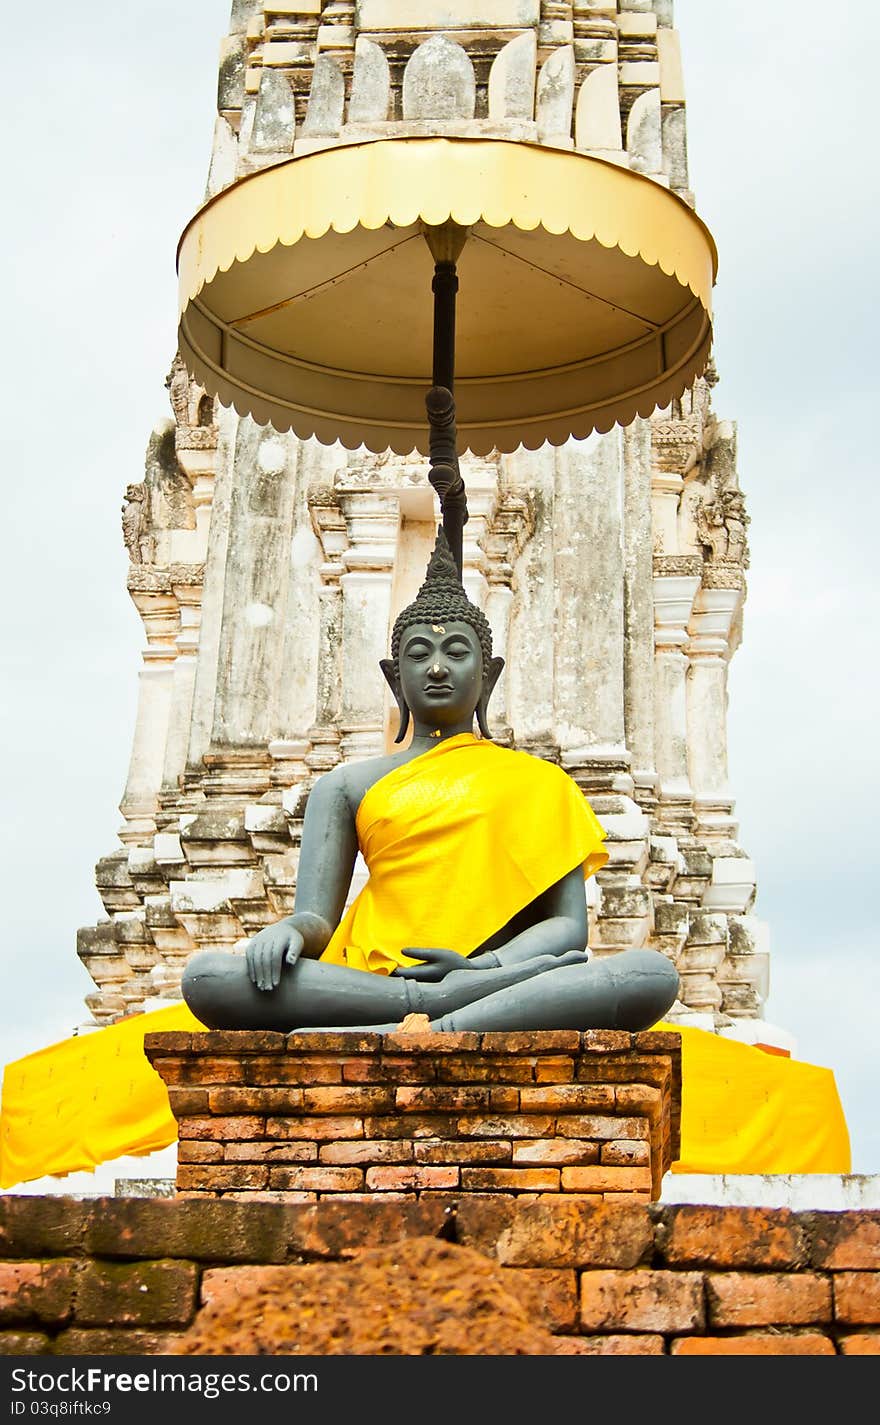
{"type": "Point", "coordinates": [490, 678]}
{"type": "Point", "coordinates": [387, 666]}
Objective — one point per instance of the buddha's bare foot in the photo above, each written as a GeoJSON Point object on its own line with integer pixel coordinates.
{"type": "Point", "coordinates": [414, 1024]}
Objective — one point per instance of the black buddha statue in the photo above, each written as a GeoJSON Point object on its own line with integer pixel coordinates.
{"type": "Point", "coordinates": [475, 912]}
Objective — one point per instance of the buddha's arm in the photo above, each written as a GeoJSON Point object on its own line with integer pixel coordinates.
{"type": "Point", "coordinates": [326, 862]}
{"type": "Point", "coordinates": [557, 927]}
{"type": "Point", "coordinates": [560, 926]}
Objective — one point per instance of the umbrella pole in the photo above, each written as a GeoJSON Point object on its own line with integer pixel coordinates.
{"type": "Point", "coordinates": [444, 473]}
{"type": "Point", "coordinates": [445, 243]}
{"type": "Point", "coordinates": [445, 288]}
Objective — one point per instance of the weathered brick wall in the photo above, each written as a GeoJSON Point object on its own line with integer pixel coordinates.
{"type": "Point", "coordinates": [126, 1276]}
{"type": "Point", "coordinates": [305, 1117]}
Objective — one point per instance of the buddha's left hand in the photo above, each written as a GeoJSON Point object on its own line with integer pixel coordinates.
{"type": "Point", "coordinates": [437, 963]}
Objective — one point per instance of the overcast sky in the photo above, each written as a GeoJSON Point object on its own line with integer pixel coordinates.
{"type": "Point", "coordinates": [111, 124]}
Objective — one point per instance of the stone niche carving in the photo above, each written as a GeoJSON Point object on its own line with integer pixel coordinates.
{"type": "Point", "coordinates": [439, 82]}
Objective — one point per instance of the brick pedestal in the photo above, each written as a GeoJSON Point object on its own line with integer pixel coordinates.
{"type": "Point", "coordinates": [592, 1116]}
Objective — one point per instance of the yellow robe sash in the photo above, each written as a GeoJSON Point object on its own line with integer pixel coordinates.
{"type": "Point", "coordinates": [91, 1099]}
{"type": "Point", "coordinates": [456, 842]}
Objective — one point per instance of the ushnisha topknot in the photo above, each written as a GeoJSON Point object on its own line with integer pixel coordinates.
{"type": "Point", "coordinates": [442, 599]}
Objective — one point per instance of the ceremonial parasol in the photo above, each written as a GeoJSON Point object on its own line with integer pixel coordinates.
{"type": "Point", "coordinates": [585, 298]}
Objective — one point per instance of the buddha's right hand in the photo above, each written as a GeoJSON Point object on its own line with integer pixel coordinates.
{"type": "Point", "coordinates": [271, 949]}
{"type": "Point", "coordinates": [436, 964]}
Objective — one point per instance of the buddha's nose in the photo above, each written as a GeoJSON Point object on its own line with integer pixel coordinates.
{"type": "Point", "coordinates": [436, 671]}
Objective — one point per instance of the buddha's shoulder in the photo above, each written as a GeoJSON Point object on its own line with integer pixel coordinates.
{"type": "Point", "coordinates": [526, 769]}
{"type": "Point", "coordinates": [350, 780]}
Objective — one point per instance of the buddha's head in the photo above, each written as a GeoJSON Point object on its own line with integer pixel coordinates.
{"type": "Point", "coordinates": [441, 668]}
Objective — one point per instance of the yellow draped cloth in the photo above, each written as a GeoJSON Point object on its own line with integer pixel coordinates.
{"type": "Point", "coordinates": [744, 1110]}
{"type": "Point", "coordinates": [94, 1098]}
{"type": "Point", "coordinates": [456, 842]}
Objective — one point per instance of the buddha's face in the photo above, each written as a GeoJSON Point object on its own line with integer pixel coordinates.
{"type": "Point", "coordinates": [441, 673]}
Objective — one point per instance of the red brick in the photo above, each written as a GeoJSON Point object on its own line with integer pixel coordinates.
{"type": "Point", "coordinates": [291, 1070]}
{"type": "Point", "coordinates": [600, 1179]}
{"type": "Point", "coordinates": [641, 1301]}
{"type": "Point", "coordinates": [557, 1070]}
{"type": "Point", "coordinates": [610, 1346]}
{"type": "Point", "coordinates": [504, 1099]}
{"type": "Point", "coordinates": [223, 1129]}
{"type": "Point", "coordinates": [606, 1041]}
{"type": "Point", "coordinates": [267, 1195]}
{"type": "Point", "coordinates": [109, 1341]}
{"type": "Point", "coordinates": [642, 1099]}
{"type": "Point", "coordinates": [587, 1097]}
{"type": "Point", "coordinates": [689, 1235]}
{"type": "Point", "coordinates": [626, 1153]}
{"type": "Point", "coordinates": [484, 1150]}
{"type": "Point", "coordinates": [568, 1098]}
{"type": "Point", "coordinates": [510, 1179]}
{"type": "Point", "coordinates": [187, 1102]}
{"type": "Point", "coordinates": [558, 1151]}
{"type": "Point", "coordinates": [255, 1100]}
{"type": "Point", "coordinates": [624, 1070]}
{"type": "Point", "coordinates": [803, 1343]}
{"type": "Point", "coordinates": [390, 1069]}
{"type": "Point", "coordinates": [262, 1152]}
{"type": "Point", "coordinates": [413, 1176]}
{"type": "Point", "coordinates": [336, 1043]}
{"type": "Point", "coordinates": [577, 1125]}
{"type": "Point", "coordinates": [157, 1293]}
{"type": "Point", "coordinates": [845, 1241]}
{"type": "Point", "coordinates": [512, 1126]}
{"type": "Point", "coordinates": [348, 1098]}
{"type": "Point", "coordinates": [202, 1069]}
{"type": "Point", "coordinates": [549, 1296]}
{"type": "Point", "coordinates": [450, 1098]}
{"type": "Point", "coordinates": [133, 1227]}
{"type": "Point", "coordinates": [221, 1177]}
{"type": "Point", "coordinates": [531, 1041]}
{"type": "Point", "coordinates": [321, 1130]}
{"type": "Point", "coordinates": [239, 1042]}
{"type": "Point", "coordinates": [432, 1042]}
{"type": "Point", "coordinates": [857, 1297]}
{"type": "Point", "coordinates": [33, 1226]}
{"type": "Point", "coordinates": [383, 1197]}
{"type": "Point", "coordinates": [412, 1125]}
{"type": "Point", "coordinates": [768, 1299]}
{"type": "Point", "coordinates": [37, 1291]}
{"type": "Point", "coordinates": [195, 1151]}
{"type": "Point", "coordinates": [369, 1150]}
{"type": "Point", "coordinates": [24, 1343]}
{"type": "Point", "coordinates": [496, 1069]}
{"type": "Point", "coordinates": [166, 1042]}
{"type": "Point", "coordinates": [861, 1343]}
{"type": "Point", "coordinates": [317, 1179]}
{"type": "Point", "coordinates": [556, 1232]}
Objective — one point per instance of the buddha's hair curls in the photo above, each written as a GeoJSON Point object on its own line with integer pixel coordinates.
{"type": "Point", "coordinates": [442, 599]}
